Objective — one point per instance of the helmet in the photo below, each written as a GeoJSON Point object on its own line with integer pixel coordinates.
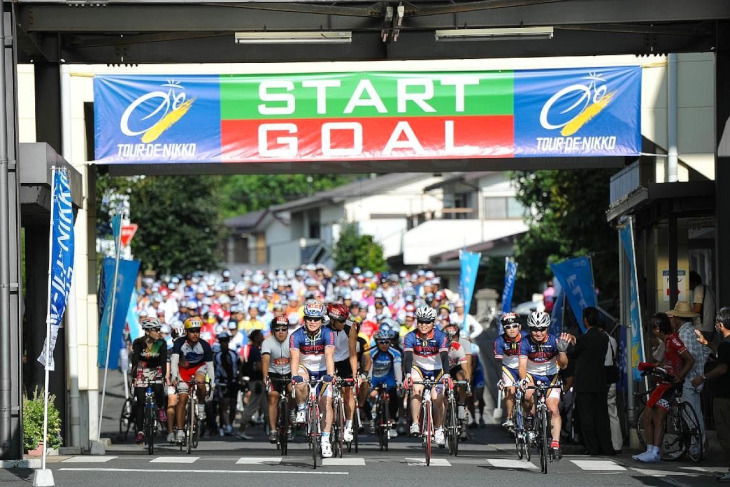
{"type": "Point", "coordinates": [385, 333]}
{"type": "Point", "coordinates": [338, 311]}
{"type": "Point", "coordinates": [279, 321]}
{"type": "Point", "coordinates": [313, 309]}
{"type": "Point", "coordinates": [538, 319]}
{"type": "Point", "coordinates": [149, 323]}
{"type": "Point", "coordinates": [193, 322]}
{"type": "Point", "coordinates": [509, 319]}
{"type": "Point", "coordinates": [426, 314]}
{"type": "Point", "coordinates": [428, 297]}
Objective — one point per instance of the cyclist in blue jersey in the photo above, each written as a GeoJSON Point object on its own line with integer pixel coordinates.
{"type": "Point", "coordinates": [542, 355]}
{"type": "Point", "coordinates": [312, 350]}
{"type": "Point", "coordinates": [426, 356]}
{"type": "Point", "coordinates": [386, 369]}
{"type": "Point", "coordinates": [507, 361]}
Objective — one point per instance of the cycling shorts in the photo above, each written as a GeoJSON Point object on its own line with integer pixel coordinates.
{"type": "Point", "coordinates": [226, 389]}
{"type": "Point", "coordinates": [419, 374]}
{"type": "Point", "coordinates": [547, 379]}
{"type": "Point", "coordinates": [510, 376]}
{"type": "Point", "coordinates": [343, 370]}
{"type": "Point", "coordinates": [454, 370]}
{"type": "Point", "coordinates": [316, 375]}
{"type": "Point", "coordinates": [279, 382]}
{"type": "Point", "coordinates": [186, 375]}
{"type": "Point", "coordinates": [662, 395]}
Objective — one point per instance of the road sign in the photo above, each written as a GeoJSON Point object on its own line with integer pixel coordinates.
{"type": "Point", "coordinates": [128, 232]}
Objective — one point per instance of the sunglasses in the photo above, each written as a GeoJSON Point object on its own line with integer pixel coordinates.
{"type": "Point", "coordinates": [276, 330]}
{"type": "Point", "coordinates": [314, 319]}
{"type": "Point", "coordinates": [155, 329]}
{"type": "Point", "coordinates": [509, 327]}
{"type": "Point", "coordinates": [541, 328]}
{"type": "Point", "coordinates": [383, 342]}
{"type": "Point", "coordinates": [194, 330]}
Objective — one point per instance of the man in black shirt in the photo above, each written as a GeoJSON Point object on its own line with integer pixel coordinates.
{"type": "Point", "coordinates": [721, 385]}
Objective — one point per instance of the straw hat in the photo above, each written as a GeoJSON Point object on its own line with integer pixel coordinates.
{"type": "Point", "coordinates": [682, 310]}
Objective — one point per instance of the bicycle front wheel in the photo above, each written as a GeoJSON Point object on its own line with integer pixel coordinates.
{"type": "Point", "coordinates": [640, 429]}
{"type": "Point", "coordinates": [190, 423]}
{"type": "Point", "coordinates": [385, 428]}
{"type": "Point", "coordinates": [428, 432]}
{"type": "Point", "coordinates": [282, 421]}
{"type": "Point", "coordinates": [125, 419]}
{"type": "Point", "coordinates": [314, 433]}
{"type": "Point", "coordinates": [150, 426]}
{"type": "Point", "coordinates": [543, 440]}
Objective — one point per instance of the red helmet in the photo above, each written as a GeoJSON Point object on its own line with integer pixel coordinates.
{"type": "Point", "coordinates": [337, 311]}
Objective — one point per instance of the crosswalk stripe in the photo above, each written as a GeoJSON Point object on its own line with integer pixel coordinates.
{"type": "Point", "coordinates": [344, 462]}
{"type": "Point", "coordinates": [185, 459]}
{"type": "Point", "coordinates": [603, 465]}
{"type": "Point", "coordinates": [89, 459]}
{"type": "Point", "coordinates": [435, 462]}
{"type": "Point", "coordinates": [511, 463]}
{"type": "Point", "coordinates": [259, 461]}
{"type": "Point", "coordinates": [662, 473]}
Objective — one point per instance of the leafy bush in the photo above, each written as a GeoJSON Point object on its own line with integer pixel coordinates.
{"type": "Point", "coordinates": [33, 422]}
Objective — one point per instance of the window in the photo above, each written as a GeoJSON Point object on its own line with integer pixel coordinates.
{"type": "Point", "coordinates": [502, 207]}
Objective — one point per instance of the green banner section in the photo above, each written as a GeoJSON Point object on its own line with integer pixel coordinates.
{"type": "Point", "coordinates": [363, 95]}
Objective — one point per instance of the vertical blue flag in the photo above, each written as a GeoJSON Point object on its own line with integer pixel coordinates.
{"type": "Point", "coordinates": [556, 317]}
{"type": "Point", "coordinates": [510, 274]}
{"type": "Point", "coordinates": [125, 286]}
{"type": "Point", "coordinates": [135, 329]}
{"type": "Point", "coordinates": [637, 342]}
{"type": "Point", "coordinates": [62, 255]}
{"type": "Point", "coordinates": [467, 279]}
{"type": "Point", "coordinates": [576, 279]}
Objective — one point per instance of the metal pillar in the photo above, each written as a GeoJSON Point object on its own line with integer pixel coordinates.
{"type": "Point", "coordinates": [722, 161]}
{"type": "Point", "coordinates": [48, 104]}
{"type": "Point", "coordinates": [673, 260]}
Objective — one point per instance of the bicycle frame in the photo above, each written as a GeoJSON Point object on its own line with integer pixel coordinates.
{"type": "Point", "coordinates": [542, 423]}
{"type": "Point", "coordinates": [426, 419]}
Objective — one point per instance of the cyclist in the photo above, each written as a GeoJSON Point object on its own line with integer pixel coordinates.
{"type": "Point", "coordinates": [345, 358]}
{"type": "Point", "coordinates": [191, 357]}
{"type": "Point", "coordinates": [276, 362]}
{"type": "Point", "coordinates": [386, 368]}
{"type": "Point", "coordinates": [149, 359]}
{"type": "Point", "coordinates": [226, 379]}
{"type": "Point", "coordinates": [312, 349]}
{"type": "Point", "coordinates": [507, 361]}
{"type": "Point", "coordinates": [478, 383]}
{"type": "Point", "coordinates": [426, 356]}
{"type": "Point", "coordinates": [678, 362]}
{"type": "Point", "coordinates": [541, 357]}
{"type": "Point", "coordinates": [457, 362]}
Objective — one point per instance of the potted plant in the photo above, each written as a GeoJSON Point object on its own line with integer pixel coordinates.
{"type": "Point", "coordinates": [33, 423]}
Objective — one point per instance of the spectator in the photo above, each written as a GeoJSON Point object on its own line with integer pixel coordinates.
{"type": "Point", "coordinates": [591, 402]}
{"type": "Point", "coordinates": [617, 439]}
{"type": "Point", "coordinates": [681, 318]}
{"type": "Point", "coordinates": [703, 303]}
{"type": "Point", "coordinates": [721, 377]}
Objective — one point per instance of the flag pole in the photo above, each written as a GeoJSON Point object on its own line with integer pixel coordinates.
{"type": "Point", "coordinates": [48, 321]}
{"type": "Point", "coordinates": [118, 248]}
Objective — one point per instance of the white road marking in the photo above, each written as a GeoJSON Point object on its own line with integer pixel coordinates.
{"type": "Point", "coordinates": [177, 470]}
{"type": "Point", "coordinates": [663, 473]}
{"type": "Point", "coordinates": [603, 465]}
{"type": "Point", "coordinates": [435, 462]}
{"type": "Point", "coordinates": [509, 463]}
{"type": "Point", "coordinates": [89, 459]}
{"type": "Point", "coordinates": [259, 461]}
{"type": "Point", "coordinates": [185, 459]}
{"type": "Point", "coordinates": [344, 462]}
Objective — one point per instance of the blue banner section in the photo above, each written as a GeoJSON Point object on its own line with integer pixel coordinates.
{"type": "Point", "coordinates": [510, 274]}
{"type": "Point", "coordinates": [556, 317]}
{"type": "Point", "coordinates": [135, 329]}
{"type": "Point", "coordinates": [467, 279]}
{"type": "Point", "coordinates": [125, 286]}
{"type": "Point", "coordinates": [133, 115]}
{"type": "Point", "coordinates": [578, 112]}
{"type": "Point", "coordinates": [637, 342]}
{"type": "Point", "coordinates": [62, 257]}
{"type": "Point", "coordinates": [621, 361]}
{"type": "Point", "coordinates": [576, 280]}
{"type": "Point", "coordinates": [117, 231]}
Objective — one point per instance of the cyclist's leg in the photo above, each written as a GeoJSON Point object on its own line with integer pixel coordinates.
{"type": "Point", "coordinates": [139, 394]}
{"type": "Point", "coordinates": [325, 404]}
{"type": "Point", "coordinates": [273, 405]}
{"type": "Point", "coordinates": [200, 390]}
{"type": "Point", "coordinates": [416, 395]}
{"type": "Point", "coordinates": [172, 401]}
{"type": "Point", "coordinates": [301, 391]}
{"type": "Point", "coordinates": [438, 403]}
{"type": "Point", "coordinates": [556, 421]}
{"type": "Point", "coordinates": [509, 379]}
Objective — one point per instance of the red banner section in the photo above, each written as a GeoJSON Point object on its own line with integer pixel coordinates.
{"type": "Point", "coordinates": [380, 138]}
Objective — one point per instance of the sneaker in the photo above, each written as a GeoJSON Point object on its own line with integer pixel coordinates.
{"type": "Point", "coordinates": [290, 434]}
{"type": "Point", "coordinates": [326, 449]}
{"type": "Point", "coordinates": [463, 436]}
{"type": "Point", "coordinates": [482, 423]}
{"type": "Point", "coordinates": [348, 436]}
{"type": "Point", "coordinates": [171, 437]}
{"type": "Point", "coordinates": [273, 436]}
{"type": "Point", "coordinates": [371, 426]}
{"type": "Point", "coordinates": [415, 429]}
{"type": "Point", "coordinates": [140, 438]}
{"type": "Point", "coordinates": [508, 424]}
{"type": "Point", "coordinates": [229, 430]}
{"type": "Point", "coordinates": [392, 433]}
{"type": "Point", "coordinates": [461, 412]}
{"type": "Point", "coordinates": [439, 438]}
{"type": "Point", "coordinates": [725, 479]}
{"type": "Point", "coordinates": [647, 457]}
{"type": "Point", "coordinates": [242, 435]}
{"type": "Point", "coordinates": [180, 438]}
{"type": "Point", "coordinates": [301, 416]}
{"type": "Point", "coordinates": [472, 425]}
{"type": "Point", "coordinates": [221, 432]}
{"type": "Point", "coordinates": [201, 412]}
{"type": "Point", "coordinates": [557, 453]}
{"type": "Point", "coordinates": [162, 416]}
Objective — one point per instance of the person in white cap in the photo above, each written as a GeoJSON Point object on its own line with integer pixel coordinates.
{"type": "Point", "coordinates": [472, 325]}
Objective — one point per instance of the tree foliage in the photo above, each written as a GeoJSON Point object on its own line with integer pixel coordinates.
{"type": "Point", "coordinates": [246, 193]}
{"type": "Point", "coordinates": [568, 219]}
{"type": "Point", "coordinates": [178, 217]}
{"type": "Point", "coordinates": [355, 250]}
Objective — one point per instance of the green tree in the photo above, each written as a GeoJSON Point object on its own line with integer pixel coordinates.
{"type": "Point", "coordinates": [242, 194]}
{"type": "Point", "coordinates": [178, 218]}
{"type": "Point", "coordinates": [567, 219]}
{"type": "Point", "coordinates": [355, 250]}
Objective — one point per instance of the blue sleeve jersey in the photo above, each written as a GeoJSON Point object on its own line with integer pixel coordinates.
{"type": "Point", "coordinates": [384, 364]}
{"type": "Point", "coordinates": [426, 352]}
{"type": "Point", "coordinates": [311, 348]}
{"type": "Point", "coordinates": [508, 350]}
{"type": "Point", "coordinates": [542, 358]}
{"type": "Point", "coordinates": [192, 355]}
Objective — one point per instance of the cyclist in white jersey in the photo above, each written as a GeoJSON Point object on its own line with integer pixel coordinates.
{"type": "Point", "coordinates": [345, 358]}
{"type": "Point", "coordinates": [276, 364]}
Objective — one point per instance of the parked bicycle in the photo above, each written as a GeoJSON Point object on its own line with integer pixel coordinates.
{"type": "Point", "coordinates": [126, 418]}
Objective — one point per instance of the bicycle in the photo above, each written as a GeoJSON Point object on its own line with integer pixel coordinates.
{"type": "Point", "coordinates": [682, 429]}
{"type": "Point", "coordinates": [126, 418]}
{"type": "Point", "coordinates": [338, 411]}
{"type": "Point", "coordinates": [192, 425]}
{"type": "Point", "coordinates": [356, 421]}
{"type": "Point", "coordinates": [520, 431]}
{"type": "Point", "coordinates": [426, 418]}
{"type": "Point", "coordinates": [381, 419]}
{"type": "Point", "coordinates": [282, 418]}
{"type": "Point", "coordinates": [150, 417]}
{"type": "Point", "coordinates": [452, 424]}
{"type": "Point", "coordinates": [314, 427]}
{"type": "Point", "coordinates": [542, 422]}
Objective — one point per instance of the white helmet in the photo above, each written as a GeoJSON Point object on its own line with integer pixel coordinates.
{"type": "Point", "coordinates": [426, 314]}
{"type": "Point", "coordinates": [538, 319]}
